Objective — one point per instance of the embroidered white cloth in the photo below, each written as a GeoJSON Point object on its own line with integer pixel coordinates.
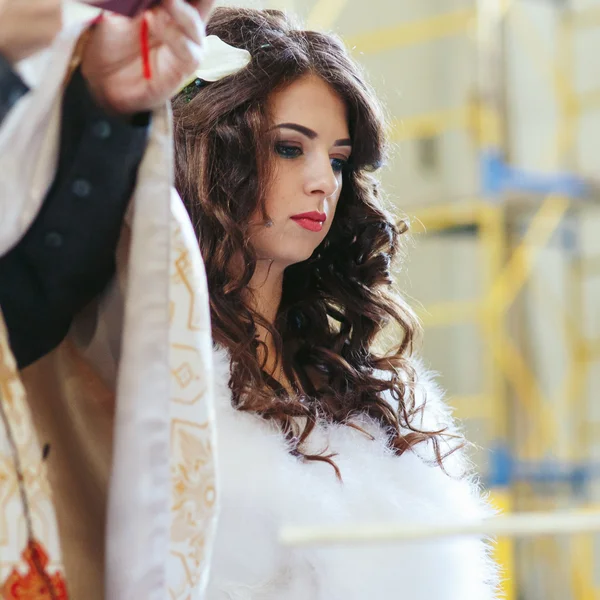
{"type": "Point", "coordinates": [162, 494]}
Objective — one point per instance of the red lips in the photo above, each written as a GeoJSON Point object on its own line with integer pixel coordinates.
{"type": "Point", "coordinates": [312, 221]}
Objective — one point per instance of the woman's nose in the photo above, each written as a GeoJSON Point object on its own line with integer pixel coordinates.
{"type": "Point", "coordinates": [321, 179]}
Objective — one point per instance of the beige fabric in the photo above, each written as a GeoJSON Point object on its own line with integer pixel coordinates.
{"type": "Point", "coordinates": [73, 412]}
{"type": "Point", "coordinates": [20, 524]}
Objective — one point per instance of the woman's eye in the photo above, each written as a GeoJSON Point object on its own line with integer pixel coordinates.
{"type": "Point", "coordinates": [338, 164]}
{"type": "Point", "coordinates": [287, 151]}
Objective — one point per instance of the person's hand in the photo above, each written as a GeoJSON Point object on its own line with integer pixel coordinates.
{"type": "Point", "coordinates": [112, 62]}
{"type": "Point", "coordinates": [203, 7]}
{"type": "Point", "coordinates": [27, 26]}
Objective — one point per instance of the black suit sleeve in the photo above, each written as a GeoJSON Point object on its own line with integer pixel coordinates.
{"type": "Point", "coordinates": [66, 258]}
{"type": "Point", "coordinates": [12, 88]}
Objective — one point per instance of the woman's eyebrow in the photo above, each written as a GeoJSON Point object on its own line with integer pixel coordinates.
{"type": "Point", "coordinates": [310, 134]}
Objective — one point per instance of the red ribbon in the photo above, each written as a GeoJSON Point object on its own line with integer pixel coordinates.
{"type": "Point", "coordinates": [145, 46]}
{"type": "Point", "coordinates": [98, 19]}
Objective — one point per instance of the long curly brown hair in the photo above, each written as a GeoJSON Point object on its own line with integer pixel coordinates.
{"type": "Point", "coordinates": [335, 304]}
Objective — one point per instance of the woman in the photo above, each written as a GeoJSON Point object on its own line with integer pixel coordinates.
{"type": "Point", "coordinates": [275, 165]}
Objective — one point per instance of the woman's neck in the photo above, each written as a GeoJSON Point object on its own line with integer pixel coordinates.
{"type": "Point", "coordinates": [266, 287]}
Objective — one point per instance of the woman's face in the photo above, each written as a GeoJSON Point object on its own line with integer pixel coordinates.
{"type": "Point", "coordinates": [311, 147]}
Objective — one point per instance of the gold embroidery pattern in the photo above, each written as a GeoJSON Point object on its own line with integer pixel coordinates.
{"type": "Point", "coordinates": [192, 445]}
{"type": "Point", "coordinates": [13, 521]}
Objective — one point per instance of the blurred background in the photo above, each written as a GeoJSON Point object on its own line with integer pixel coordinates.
{"type": "Point", "coordinates": [494, 109]}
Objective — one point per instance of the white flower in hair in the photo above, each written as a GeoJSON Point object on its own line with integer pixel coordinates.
{"type": "Point", "coordinates": [219, 60]}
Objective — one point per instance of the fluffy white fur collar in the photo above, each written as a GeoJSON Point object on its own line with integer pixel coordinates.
{"type": "Point", "coordinates": [263, 487]}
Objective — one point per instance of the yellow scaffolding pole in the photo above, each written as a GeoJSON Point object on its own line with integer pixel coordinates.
{"type": "Point", "coordinates": [449, 313]}
{"type": "Point", "coordinates": [471, 406]}
{"type": "Point", "coordinates": [430, 124]}
{"type": "Point", "coordinates": [445, 216]}
{"type": "Point", "coordinates": [415, 32]}
{"type": "Point", "coordinates": [492, 235]}
{"type": "Point", "coordinates": [517, 271]}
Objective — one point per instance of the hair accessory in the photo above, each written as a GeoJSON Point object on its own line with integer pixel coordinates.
{"type": "Point", "coordinates": [190, 90]}
{"type": "Point", "coordinates": [219, 60]}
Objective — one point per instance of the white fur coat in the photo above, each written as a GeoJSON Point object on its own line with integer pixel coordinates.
{"type": "Point", "coordinates": [264, 487]}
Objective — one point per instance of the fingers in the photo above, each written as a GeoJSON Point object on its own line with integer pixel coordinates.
{"type": "Point", "coordinates": [185, 50]}
{"type": "Point", "coordinates": [48, 20]}
{"type": "Point", "coordinates": [26, 27]}
{"type": "Point", "coordinates": [203, 7]}
{"type": "Point", "coordinates": [177, 24]}
{"type": "Point", "coordinates": [187, 19]}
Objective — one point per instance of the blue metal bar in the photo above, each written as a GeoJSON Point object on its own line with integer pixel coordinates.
{"type": "Point", "coordinates": [497, 178]}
